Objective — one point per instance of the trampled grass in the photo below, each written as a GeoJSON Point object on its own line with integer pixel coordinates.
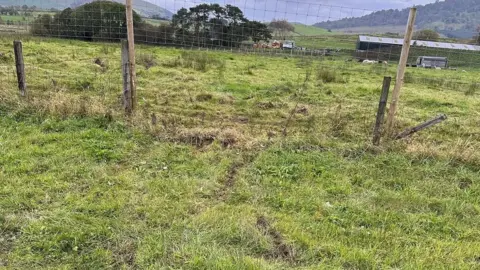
{"type": "Point", "coordinates": [232, 161]}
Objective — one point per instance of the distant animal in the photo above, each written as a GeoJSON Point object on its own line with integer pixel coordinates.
{"type": "Point", "coordinates": [464, 71]}
{"type": "Point", "coordinates": [438, 68]}
{"type": "Point", "coordinates": [369, 62]}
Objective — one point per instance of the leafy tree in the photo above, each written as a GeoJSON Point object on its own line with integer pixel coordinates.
{"type": "Point", "coordinates": [476, 37]}
{"type": "Point", "coordinates": [101, 20]}
{"type": "Point", "coordinates": [426, 34]}
{"type": "Point", "coordinates": [42, 26]}
{"type": "Point", "coordinates": [281, 28]}
{"type": "Point", "coordinates": [258, 31]}
{"type": "Point", "coordinates": [212, 24]}
{"type": "Point", "coordinates": [203, 25]}
{"type": "Point", "coordinates": [158, 17]}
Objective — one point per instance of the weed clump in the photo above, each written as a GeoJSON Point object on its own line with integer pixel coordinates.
{"type": "Point", "coordinates": [204, 97]}
{"type": "Point", "coordinates": [200, 61]}
{"type": "Point", "coordinates": [147, 60]}
{"type": "Point", "coordinates": [329, 76]}
{"type": "Point", "coordinates": [4, 58]}
{"type": "Point", "coordinates": [472, 89]}
{"type": "Point", "coordinates": [408, 78]}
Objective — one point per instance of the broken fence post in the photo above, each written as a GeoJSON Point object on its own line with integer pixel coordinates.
{"type": "Point", "coordinates": [18, 49]}
{"type": "Point", "coordinates": [377, 132]}
{"type": "Point", "coordinates": [422, 126]}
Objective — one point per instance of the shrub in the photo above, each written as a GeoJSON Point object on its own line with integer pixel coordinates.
{"type": "Point", "coordinates": [147, 60]}
{"type": "Point", "coordinates": [328, 75]}
{"type": "Point", "coordinates": [197, 60]}
{"type": "Point", "coordinates": [472, 89]}
{"type": "Point", "coordinates": [426, 34]}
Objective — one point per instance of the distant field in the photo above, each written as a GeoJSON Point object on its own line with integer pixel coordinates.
{"type": "Point", "coordinates": [308, 30]}
{"type": "Point", "coordinates": [373, 30]}
{"type": "Point", "coordinates": [156, 22]}
{"type": "Point", "coordinates": [327, 41]}
{"type": "Point", "coordinates": [26, 19]}
{"type": "Point", "coordinates": [17, 18]}
{"type": "Point", "coordinates": [13, 29]}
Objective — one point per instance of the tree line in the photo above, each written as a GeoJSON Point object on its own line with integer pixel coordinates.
{"type": "Point", "coordinates": [202, 25]}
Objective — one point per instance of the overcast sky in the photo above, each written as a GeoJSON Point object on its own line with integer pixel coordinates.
{"type": "Point", "coordinates": [303, 11]}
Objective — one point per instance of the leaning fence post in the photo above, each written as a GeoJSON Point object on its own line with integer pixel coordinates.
{"type": "Point", "coordinates": [22, 85]}
{"type": "Point", "coordinates": [127, 93]}
{"type": "Point", "coordinates": [377, 132]}
{"type": "Point", "coordinates": [401, 70]}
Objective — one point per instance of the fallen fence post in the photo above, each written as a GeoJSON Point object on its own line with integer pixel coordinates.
{"type": "Point", "coordinates": [422, 126]}
{"type": "Point", "coordinates": [22, 85]}
{"type": "Point", "coordinates": [377, 132]}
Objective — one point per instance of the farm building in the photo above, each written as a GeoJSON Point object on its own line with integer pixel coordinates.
{"type": "Point", "coordinates": [372, 43]}
{"type": "Point", "coordinates": [386, 49]}
{"type": "Point", "coordinates": [432, 62]}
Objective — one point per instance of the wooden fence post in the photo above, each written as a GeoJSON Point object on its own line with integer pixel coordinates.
{"type": "Point", "coordinates": [402, 65]}
{"type": "Point", "coordinates": [131, 55]}
{"type": "Point", "coordinates": [127, 93]}
{"type": "Point", "coordinates": [22, 85]}
{"type": "Point", "coordinates": [422, 126]}
{"type": "Point", "coordinates": [377, 132]}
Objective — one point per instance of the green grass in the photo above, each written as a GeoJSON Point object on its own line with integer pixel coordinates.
{"type": "Point", "coordinates": [156, 22]}
{"type": "Point", "coordinates": [332, 41]}
{"type": "Point", "coordinates": [308, 30]}
{"type": "Point", "coordinates": [212, 182]}
{"type": "Point", "coordinates": [15, 18]}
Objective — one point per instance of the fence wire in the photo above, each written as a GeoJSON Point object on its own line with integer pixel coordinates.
{"type": "Point", "coordinates": [74, 48]}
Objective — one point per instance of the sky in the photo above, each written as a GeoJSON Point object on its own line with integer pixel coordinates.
{"type": "Point", "coordinates": [302, 11]}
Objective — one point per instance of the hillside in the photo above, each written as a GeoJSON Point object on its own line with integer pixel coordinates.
{"type": "Point", "coordinates": [144, 8]}
{"type": "Point", "coordinates": [453, 18]}
{"type": "Point", "coordinates": [40, 4]}
{"type": "Point", "coordinates": [308, 30]}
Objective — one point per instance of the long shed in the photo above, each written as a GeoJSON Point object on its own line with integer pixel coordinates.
{"type": "Point", "coordinates": [372, 43]}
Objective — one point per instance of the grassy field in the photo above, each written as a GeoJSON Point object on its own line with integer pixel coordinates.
{"type": "Point", "coordinates": [231, 161]}
{"type": "Point", "coordinates": [155, 21]}
{"type": "Point", "coordinates": [335, 41]}
{"type": "Point", "coordinates": [6, 18]}
{"type": "Point", "coordinates": [22, 18]}
{"type": "Point", "coordinates": [308, 30]}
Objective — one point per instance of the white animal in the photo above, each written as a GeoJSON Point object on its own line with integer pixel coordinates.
{"type": "Point", "coordinates": [369, 62]}
{"type": "Point", "coordinates": [438, 68]}
{"type": "Point", "coordinates": [464, 71]}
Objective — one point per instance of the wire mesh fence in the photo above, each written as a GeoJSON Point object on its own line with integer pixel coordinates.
{"type": "Point", "coordinates": [212, 64]}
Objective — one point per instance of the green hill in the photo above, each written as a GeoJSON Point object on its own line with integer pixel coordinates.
{"type": "Point", "coordinates": [453, 18]}
{"type": "Point", "coordinates": [40, 4]}
{"type": "Point", "coordinates": [144, 8]}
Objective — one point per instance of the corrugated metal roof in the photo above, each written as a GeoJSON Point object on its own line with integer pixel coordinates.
{"type": "Point", "coordinates": [429, 44]}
